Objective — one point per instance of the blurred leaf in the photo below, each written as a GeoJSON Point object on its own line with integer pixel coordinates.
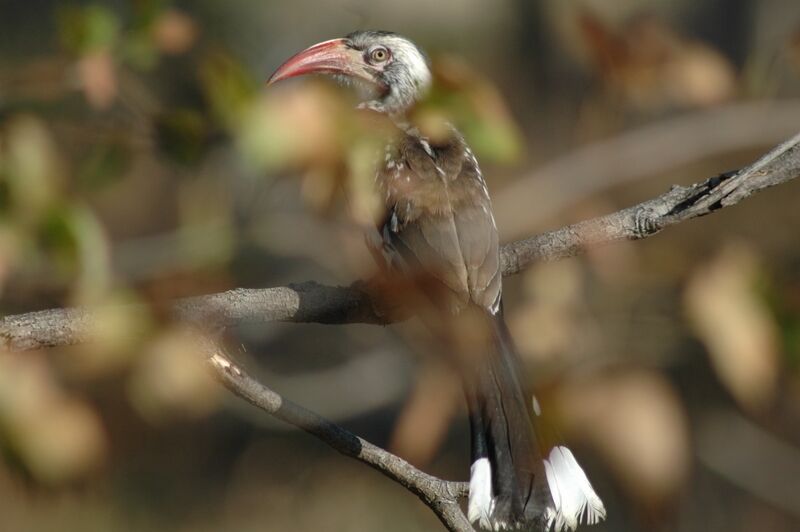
{"type": "Point", "coordinates": [139, 50]}
{"type": "Point", "coordinates": [733, 321]}
{"type": "Point", "coordinates": [157, 30]}
{"type": "Point", "coordinates": [98, 78]}
{"type": "Point", "coordinates": [172, 380]}
{"type": "Point", "coordinates": [174, 32]}
{"type": "Point", "coordinates": [300, 128]}
{"type": "Point", "coordinates": [608, 50]}
{"type": "Point", "coordinates": [88, 29]}
{"type": "Point", "coordinates": [57, 237]}
{"type": "Point", "coordinates": [652, 66]}
{"type": "Point", "coordinates": [76, 243]}
{"type": "Point", "coordinates": [476, 108]}
{"type": "Point", "coordinates": [139, 47]}
{"type": "Point", "coordinates": [700, 76]}
{"type": "Point", "coordinates": [117, 334]}
{"type": "Point", "coordinates": [363, 202]}
{"type": "Point", "coordinates": [229, 88]}
{"type": "Point", "coordinates": [94, 256]}
{"type": "Point", "coordinates": [261, 138]}
{"type": "Point", "coordinates": [57, 437]}
{"type": "Point", "coordinates": [30, 168]}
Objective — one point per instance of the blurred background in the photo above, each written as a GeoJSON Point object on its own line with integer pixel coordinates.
{"type": "Point", "coordinates": [142, 160]}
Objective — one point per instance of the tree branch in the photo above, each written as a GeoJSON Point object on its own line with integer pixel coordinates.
{"type": "Point", "coordinates": [779, 165]}
{"type": "Point", "coordinates": [312, 302]}
{"type": "Point", "coordinates": [651, 149]}
{"type": "Point", "coordinates": [441, 496]}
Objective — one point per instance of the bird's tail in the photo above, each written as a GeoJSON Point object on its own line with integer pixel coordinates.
{"type": "Point", "coordinates": [512, 485]}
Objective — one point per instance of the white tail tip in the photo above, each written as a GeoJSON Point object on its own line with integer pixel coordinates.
{"type": "Point", "coordinates": [574, 499]}
{"type": "Point", "coordinates": [481, 502]}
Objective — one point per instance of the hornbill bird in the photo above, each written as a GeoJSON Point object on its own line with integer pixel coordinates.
{"type": "Point", "coordinates": [438, 224]}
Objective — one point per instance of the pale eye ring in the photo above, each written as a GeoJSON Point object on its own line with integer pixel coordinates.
{"type": "Point", "coordinates": [379, 54]}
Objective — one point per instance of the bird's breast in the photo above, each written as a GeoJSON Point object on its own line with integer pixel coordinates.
{"type": "Point", "coordinates": [417, 178]}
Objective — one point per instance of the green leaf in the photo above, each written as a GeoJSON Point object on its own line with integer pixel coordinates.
{"type": "Point", "coordinates": [229, 88]}
{"type": "Point", "coordinates": [87, 29]}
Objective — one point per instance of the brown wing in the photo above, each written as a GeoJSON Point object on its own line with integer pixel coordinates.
{"type": "Point", "coordinates": [439, 221]}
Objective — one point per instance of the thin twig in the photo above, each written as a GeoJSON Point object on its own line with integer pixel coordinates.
{"type": "Point", "coordinates": [441, 496]}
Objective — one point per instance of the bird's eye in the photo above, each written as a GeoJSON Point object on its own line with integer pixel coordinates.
{"type": "Point", "coordinates": [379, 54]}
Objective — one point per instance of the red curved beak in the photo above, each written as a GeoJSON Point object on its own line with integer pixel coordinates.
{"type": "Point", "coordinates": [329, 57]}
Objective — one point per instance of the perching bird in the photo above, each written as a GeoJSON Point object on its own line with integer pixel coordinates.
{"type": "Point", "coordinates": [439, 225]}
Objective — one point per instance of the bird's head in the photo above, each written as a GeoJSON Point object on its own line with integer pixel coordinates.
{"type": "Point", "coordinates": [393, 72]}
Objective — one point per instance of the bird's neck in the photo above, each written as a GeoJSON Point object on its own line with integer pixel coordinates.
{"type": "Point", "coordinates": [398, 115]}
{"type": "Point", "coordinates": [401, 122]}
{"type": "Point", "coordinates": [393, 103]}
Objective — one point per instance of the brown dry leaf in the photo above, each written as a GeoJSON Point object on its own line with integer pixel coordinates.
{"type": "Point", "coordinates": [172, 379]}
{"type": "Point", "coordinates": [174, 32]}
{"type": "Point", "coordinates": [64, 442]}
{"type": "Point", "coordinates": [427, 414]}
{"type": "Point", "coordinates": [57, 437]}
{"type": "Point", "coordinates": [606, 49]}
{"type": "Point", "coordinates": [98, 78]}
{"type": "Point", "coordinates": [635, 420]}
{"type": "Point", "coordinates": [653, 66]}
{"type": "Point", "coordinates": [699, 76]}
{"type": "Point", "coordinates": [735, 325]}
